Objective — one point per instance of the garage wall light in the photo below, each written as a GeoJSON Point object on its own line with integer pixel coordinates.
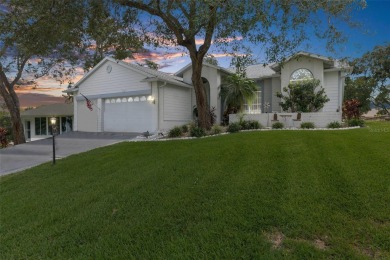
{"type": "Point", "coordinates": [151, 99]}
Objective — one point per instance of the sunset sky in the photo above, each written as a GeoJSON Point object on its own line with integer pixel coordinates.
{"type": "Point", "coordinates": [375, 20]}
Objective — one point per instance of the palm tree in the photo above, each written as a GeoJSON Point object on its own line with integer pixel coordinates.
{"type": "Point", "coordinates": [236, 91]}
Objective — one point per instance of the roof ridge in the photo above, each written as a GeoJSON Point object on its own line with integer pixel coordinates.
{"type": "Point", "coordinates": [153, 72]}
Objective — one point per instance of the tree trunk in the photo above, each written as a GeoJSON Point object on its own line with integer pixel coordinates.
{"type": "Point", "coordinates": [17, 126]}
{"type": "Point", "coordinates": [200, 93]}
{"type": "Point", "coordinates": [12, 101]}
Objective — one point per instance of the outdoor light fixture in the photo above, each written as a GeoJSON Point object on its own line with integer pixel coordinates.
{"type": "Point", "coordinates": [53, 123]}
{"type": "Point", "coordinates": [151, 99]}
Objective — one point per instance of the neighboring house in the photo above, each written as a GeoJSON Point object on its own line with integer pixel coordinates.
{"type": "Point", "coordinates": [131, 98]}
{"type": "Point", "coordinates": [36, 122]}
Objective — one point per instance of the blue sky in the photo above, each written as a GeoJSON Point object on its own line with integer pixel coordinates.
{"type": "Point", "coordinates": [374, 30]}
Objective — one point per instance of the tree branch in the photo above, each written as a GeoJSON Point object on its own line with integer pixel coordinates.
{"type": "Point", "coordinates": [209, 31]}
{"type": "Point", "coordinates": [172, 23]}
{"type": "Point", "coordinates": [20, 72]}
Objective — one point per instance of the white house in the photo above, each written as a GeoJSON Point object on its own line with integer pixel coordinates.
{"type": "Point", "coordinates": [36, 122]}
{"type": "Point", "coordinates": [131, 98]}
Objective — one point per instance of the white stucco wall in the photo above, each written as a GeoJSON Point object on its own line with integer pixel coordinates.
{"type": "Point", "coordinates": [316, 67]}
{"type": "Point", "coordinates": [214, 78]}
{"type": "Point", "coordinates": [120, 79]}
{"type": "Point", "coordinates": [87, 121]}
{"type": "Point", "coordinates": [174, 106]}
{"type": "Point", "coordinates": [333, 91]}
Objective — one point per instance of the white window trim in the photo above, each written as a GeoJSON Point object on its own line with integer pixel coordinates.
{"type": "Point", "coordinates": [255, 106]}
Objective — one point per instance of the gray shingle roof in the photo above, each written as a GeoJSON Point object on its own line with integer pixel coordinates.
{"type": "Point", "coordinates": [60, 109]}
{"type": "Point", "coordinates": [259, 71]}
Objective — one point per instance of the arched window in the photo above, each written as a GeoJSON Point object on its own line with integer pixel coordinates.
{"type": "Point", "coordinates": [301, 74]}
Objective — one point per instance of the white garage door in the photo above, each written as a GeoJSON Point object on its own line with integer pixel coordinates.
{"type": "Point", "coordinates": [127, 116]}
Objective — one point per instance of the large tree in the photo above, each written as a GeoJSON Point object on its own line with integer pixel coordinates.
{"type": "Point", "coordinates": [35, 37]}
{"type": "Point", "coordinates": [360, 88]}
{"type": "Point", "coordinates": [374, 67]}
{"type": "Point", "coordinates": [278, 25]}
{"type": "Point", "coordinates": [41, 37]}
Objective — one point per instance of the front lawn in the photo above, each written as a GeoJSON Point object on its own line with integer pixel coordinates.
{"type": "Point", "coordinates": [270, 194]}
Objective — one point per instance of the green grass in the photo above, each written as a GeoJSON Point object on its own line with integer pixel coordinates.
{"type": "Point", "coordinates": [222, 197]}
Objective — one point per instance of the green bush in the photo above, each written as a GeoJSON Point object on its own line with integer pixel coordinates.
{"type": "Point", "coordinates": [216, 129]}
{"type": "Point", "coordinates": [307, 125]}
{"type": "Point", "coordinates": [334, 124]}
{"type": "Point", "coordinates": [184, 128]}
{"type": "Point", "coordinates": [250, 124]}
{"type": "Point", "coordinates": [197, 132]}
{"type": "Point", "coordinates": [355, 122]}
{"type": "Point", "coordinates": [175, 132]}
{"type": "Point", "coordinates": [277, 125]}
{"type": "Point", "coordinates": [234, 127]}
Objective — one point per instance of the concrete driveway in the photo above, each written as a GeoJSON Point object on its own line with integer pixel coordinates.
{"type": "Point", "coordinates": [23, 156]}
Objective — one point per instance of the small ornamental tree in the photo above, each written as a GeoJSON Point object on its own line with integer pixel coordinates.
{"type": "Point", "coordinates": [301, 96]}
{"type": "Point", "coordinates": [351, 109]}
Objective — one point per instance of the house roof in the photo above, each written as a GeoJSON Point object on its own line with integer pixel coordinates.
{"type": "Point", "coordinates": [329, 63]}
{"type": "Point", "coordinates": [150, 74]}
{"type": "Point", "coordinates": [182, 70]}
{"type": "Point", "coordinates": [260, 71]}
{"type": "Point", "coordinates": [59, 109]}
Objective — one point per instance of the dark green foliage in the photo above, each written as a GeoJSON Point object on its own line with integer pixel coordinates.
{"type": "Point", "coordinates": [301, 96]}
{"type": "Point", "coordinates": [234, 127]}
{"type": "Point", "coordinates": [184, 128]}
{"type": "Point", "coordinates": [210, 59]}
{"type": "Point", "coordinates": [250, 124]}
{"type": "Point", "coordinates": [175, 132]}
{"type": "Point", "coordinates": [355, 122]}
{"type": "Point", "coordinates": [277, 125]}
{"type": "Point", "coordinates": [359, 89]}
{"type": "Point", "coordinates": [334, 124]}
{"type": "Point", "coordinates": [197, 131]}
{"type": "Point", "coordinates": [382, 100]}
{"type": "Point", "coordinates": [3, 137]}
{"type": "Point", "coordinates": [307, 125]}
{"type": "Point", "coordinates": [236, 90]}
{"type": "Point", "coordinates": [375, 66]}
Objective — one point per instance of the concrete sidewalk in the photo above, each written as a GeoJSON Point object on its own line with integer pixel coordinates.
{"type": "Point", "coordinates": [24, 156]}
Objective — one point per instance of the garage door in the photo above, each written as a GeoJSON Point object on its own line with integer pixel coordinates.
{"type": "Point", "coordinates": [132, 114]}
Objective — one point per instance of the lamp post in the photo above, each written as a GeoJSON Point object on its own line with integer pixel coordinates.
{"type": "Point", "coordinates": [53, 124]}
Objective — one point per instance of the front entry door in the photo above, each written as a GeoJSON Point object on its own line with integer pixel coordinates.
{"type": "Point", "coordinates": [28, 129]}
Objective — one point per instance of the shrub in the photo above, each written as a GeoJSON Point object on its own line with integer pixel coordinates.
{"type": "Point", "coordinates": [250, 124]}
{"type": "Point", "coordinates": [277, 125]}
{"type": "Point", "coordinates": [307, 125]}
{"type": "Point", "coordinates": [351, 109]}
{"type": "Point", "coordinates": [184, 128]}
{"type": "Point", "coordinates": [234, 127]}
{"type": "Point", "coordinates": [175, 132]}
{"type": "Point", "coordinates": [245, 125]}
{"type": "Point", "coordinates": [3, 137]}
{"type": "Point", "coordinates": [255, 124]}
{"type": "Point", "coordinates": [334, 124]}
{"type": "Point", "coordinates": [216, 129]}
{"type": "Point", "coordinates": [355, 122]}
{"type": "Point", "coordinates": [197, 132]}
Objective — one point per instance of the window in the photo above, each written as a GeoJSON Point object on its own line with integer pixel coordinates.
{"type": "Point", "coordinates": [301, 74]}
{"type": "Point", "coordinates": [40, 126]}
{"type": "Point", "coordinates": [255, 106]}
{"type": "Point", "coordinates": [66, 124]}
